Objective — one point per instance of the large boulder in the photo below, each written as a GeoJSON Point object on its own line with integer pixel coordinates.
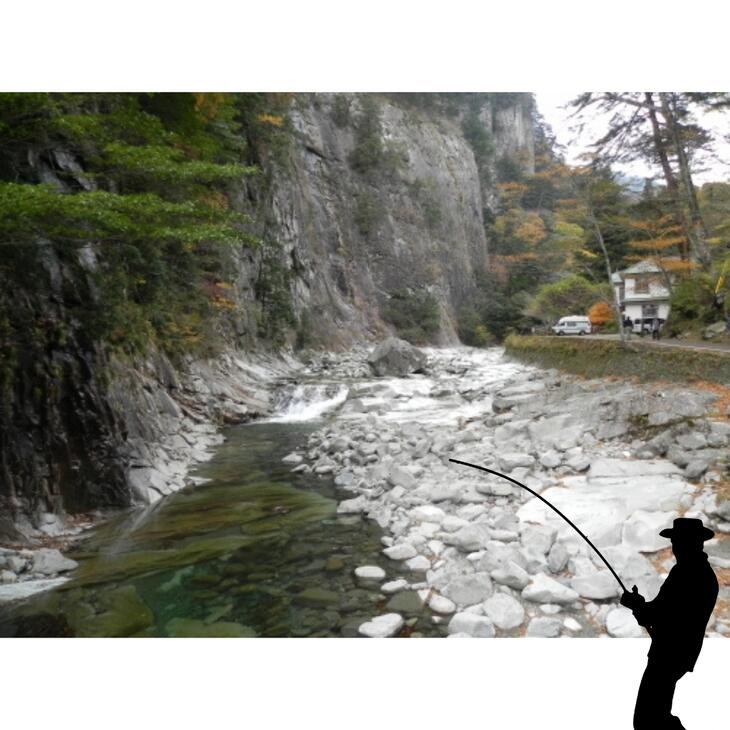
{"type": "Point", "coordinates": [713, 330]}
{"type": "Point", "coordinates": [396, 357]}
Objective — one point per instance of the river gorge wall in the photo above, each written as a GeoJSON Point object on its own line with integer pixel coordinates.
{"type": "Point", "coordinates": [374, 196]}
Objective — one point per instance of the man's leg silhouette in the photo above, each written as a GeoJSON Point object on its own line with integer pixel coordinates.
{"type": "Point", "coordinates": [654, 701]}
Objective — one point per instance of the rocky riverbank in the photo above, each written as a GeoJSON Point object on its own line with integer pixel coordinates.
{"type": "Point", "coordinates": [621, 460]}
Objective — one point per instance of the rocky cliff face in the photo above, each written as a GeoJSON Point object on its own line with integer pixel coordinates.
{"type": "Point", "coordinates": [375, 196]}
{"type": "Point", "coordinates": [410, 217]}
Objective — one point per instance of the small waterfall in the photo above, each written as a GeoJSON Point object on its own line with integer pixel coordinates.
{"type": "Point", "coordinates": [307, 402]}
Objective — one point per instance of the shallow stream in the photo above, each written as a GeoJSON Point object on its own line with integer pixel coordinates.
{"type": "Point", "coordinates": [255, 551]}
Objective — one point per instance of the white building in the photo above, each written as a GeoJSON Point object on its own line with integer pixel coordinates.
{"type": "Point", "coordinates": [642, 293]}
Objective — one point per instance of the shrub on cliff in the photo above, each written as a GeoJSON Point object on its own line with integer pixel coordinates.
{"type": "Point", "coordinates": [414, 314]}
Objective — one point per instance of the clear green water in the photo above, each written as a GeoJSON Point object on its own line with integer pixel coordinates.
{"type": "Point", "coordinates": [256, 551]}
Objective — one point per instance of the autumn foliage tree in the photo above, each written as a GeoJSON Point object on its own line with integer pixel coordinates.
{"type": "Point", "coordinates": [600, 314]}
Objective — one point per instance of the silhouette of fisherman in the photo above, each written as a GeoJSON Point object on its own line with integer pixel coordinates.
{"type": "Point", "coordinates": [676, 620]}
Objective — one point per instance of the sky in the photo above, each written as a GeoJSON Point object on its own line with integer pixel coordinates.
{"type": "Point", "coordinates": [550, 105]}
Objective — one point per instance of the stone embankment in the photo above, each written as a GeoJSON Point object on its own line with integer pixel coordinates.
{"type": "Point", "coordinates": [621, 460]}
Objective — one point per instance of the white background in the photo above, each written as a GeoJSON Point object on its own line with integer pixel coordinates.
{"type": "Point", "coordinates": [340, 46]}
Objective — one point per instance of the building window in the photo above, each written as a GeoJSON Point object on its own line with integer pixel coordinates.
{"type": "Point", "coordinates": [641, 285]}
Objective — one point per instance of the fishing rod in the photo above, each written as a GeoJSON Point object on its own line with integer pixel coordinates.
{"type": "Point", "coordinates": [552, 507]}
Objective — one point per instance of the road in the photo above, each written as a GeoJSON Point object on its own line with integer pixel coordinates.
{"type": "Point", "coordinates": [646, 341]}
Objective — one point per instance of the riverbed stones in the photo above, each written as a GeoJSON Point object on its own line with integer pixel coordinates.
{"type": "Point", "coordinates": [504, 611]}
{"type": "Point", "coordinates": [620, 622]}
{"type": "Point", "coordinates": [641, 530]}
{"type": "Point", "coordinates": [441, 604]}
{"type": "Point", "coordinates": [370, 572]}
{"type": "Point", "coordinates": [418, 564]}
{"type": "Point", "coordinates": [600, 585]}
{"type": "Point", "coordinates": [511, 575]}
{"type": "Point", "coordinates": [537, 538]}
{"type": "Point", "coordinates": [317, 597]}
{"type": "Point", "coordinates": [543, 589]}
{"type": "Point", "coordinates": [512, 460]}
{"type": "Point", "coordinates": [544, 627]}
{"type": "Point", "coordinates": [293, 458]}
{"type": "Point", "coordinates": [472, 625]}
{"type": "Point", "coordinates": [469, 538]}
{"type": "Point", "coordinates": [383, 626]}
{"type": "Point", "coordinates": [550, 459]}
{"type": "Point", "coordinates": [405, 602]}
{"type": "Point", "coordinates": [557, 557]}
{"type": "Point", "coordinates": [401, 551]}
{"type": "Point", "coordinates": [578, 441]}
{"type": "Point", "coordinates": [393, 586]}
{"type": "Point", "coordinates": [466, 590]}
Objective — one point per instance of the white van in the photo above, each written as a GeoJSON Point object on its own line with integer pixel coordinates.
{"type": "Point", "coordinates": [572, 326]}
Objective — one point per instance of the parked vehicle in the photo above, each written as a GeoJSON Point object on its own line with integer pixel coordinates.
{"type": "Point", "coordinates": [573, 326]}
{"type": "Point", "coordinates": [643, 326]}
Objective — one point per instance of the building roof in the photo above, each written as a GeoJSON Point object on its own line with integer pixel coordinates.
{"type": "Point", "coordinates": [645, 266]}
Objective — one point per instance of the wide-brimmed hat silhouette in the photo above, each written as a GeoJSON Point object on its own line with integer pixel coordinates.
{"type": "Point", "coordinates": [688, 527]}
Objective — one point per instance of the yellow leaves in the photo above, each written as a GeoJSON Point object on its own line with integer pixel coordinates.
{"type": "Point", "coordinates": [676, 266]}
{"type": "Point", "coordinates": [588, 254]}
{"type": "Point", "coordinates": [207, 104]}
{"type": "Point", "coordinates": [511, 193]}
{"type": "Point", "coordinates": [272, 119]}
{"type": "Point", "coordinates": [531, 230]}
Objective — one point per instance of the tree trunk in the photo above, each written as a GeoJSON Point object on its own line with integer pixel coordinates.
{"type": "Point", "coordinates": [609, 273]}
{"type": "Point", "coordinates": [697, 229]}
{"type": "Point", "coordinates": [672, 185]}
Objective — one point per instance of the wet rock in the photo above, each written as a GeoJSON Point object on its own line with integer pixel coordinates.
{"type": "Point", "coordinates": [191, 628]}
{"type": "Point", "coordinates": [370, 572]}
{"type": "Point", "coordinates": [16, 563]}
{"type": "Point", "coordinates": [7, 576]}
{"type": "Point", "coordinates": [383, 626]}
{"type": "Point", "coordinates": [124, 613]}
{"type": "Point", "coordinates": [352, 506]}
{"type": "Point", "coordinates": [418, 564]}
{"type": "Point", "coordinates": [394, 586]}
{"type": "Point", "coordinates": [317, 597]}
{"type": "Point", "coordinates": [405, 602]}
{"type": "Point", "coordinates": [293, 458]}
